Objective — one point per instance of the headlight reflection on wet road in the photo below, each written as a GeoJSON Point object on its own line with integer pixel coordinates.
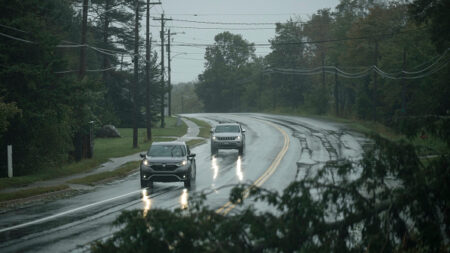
{"type": "Point", "coordinates": [184, 199]}
{"type": "Point", "coordinates": [146, 200]}
{"type": "Point", "coordinates": [214, 167]}
{"type": "Point", "coordinates": [239, 173]}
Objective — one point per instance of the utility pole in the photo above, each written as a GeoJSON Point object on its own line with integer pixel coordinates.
{"type": "Point", "coordinates": [169, 71]}
{"type": "Point", "coordinates": [162, 67]}
{"type": "Point", "coordinates": [136, 78]}
{"type": "Point", "coordinates": [106, 22]}
{"type": "Point", "coordinates": [148, 112]}
{"type": "Point", "coordinates": [82, 147]}
{"type": "Point", "coordinates": [169, 85]}
{"type": "Point", "coordinates": [82, 70]}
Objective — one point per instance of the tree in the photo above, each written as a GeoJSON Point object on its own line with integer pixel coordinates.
{"type": "Point", "coordinates": [288, 52]}
{"type": "Point", "coordinates": [7, 111]}
{"type": "Point", "coordinates": [434, 12]}
{"type": "Point", "coordinates": [219, 85]}
{"type": "Point", "coordinates": [30, 80]}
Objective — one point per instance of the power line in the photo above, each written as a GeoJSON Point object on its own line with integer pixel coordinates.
{"type": "Point", "coordinates": [223, 23]}
{"type": "Point", "coordinates": [429, 70]}
{"type": "Point", "coordinates": [16, 38]}
{"type": "Point", "coordinates": [238, 14]}
{"type": "Point", "coordinates": [220, 28]}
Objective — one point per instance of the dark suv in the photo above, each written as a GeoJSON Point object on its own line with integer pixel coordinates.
{"type": "Point", "coordinates": [167, 162]}
{"type": "Point", "coordinates": [227, 136]}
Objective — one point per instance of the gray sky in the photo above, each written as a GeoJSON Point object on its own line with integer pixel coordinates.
{"type": "Point", "coordinates": [187, 61]}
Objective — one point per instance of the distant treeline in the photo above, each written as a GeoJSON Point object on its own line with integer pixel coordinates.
{"type": "Point", "coordinates": [360, 60]}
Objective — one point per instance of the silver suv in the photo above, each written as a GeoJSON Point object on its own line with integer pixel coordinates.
{"type": "Point", "coordinates": [167, 162]}
{"type": "Point", "coordinates": [227, 136]}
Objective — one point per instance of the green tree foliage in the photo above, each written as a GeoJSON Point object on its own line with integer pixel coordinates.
{"type": "Point", "coordinates": [221, 85]}
{"type": "Point", "coordinates": [39, 62]}
{"type": "Point", "coordinates": [28, 78]}
{"type": "Point", "coordinates": [7, 111]}
{"type": "Point", "coordinates": [434, 12]}
{"type": "Point", "coordinates": [288, 53]}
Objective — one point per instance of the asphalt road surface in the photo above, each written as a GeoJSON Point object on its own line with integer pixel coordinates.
{"type": "Point", "coordinates": [278, 148]}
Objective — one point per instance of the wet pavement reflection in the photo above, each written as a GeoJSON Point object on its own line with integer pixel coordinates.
{"type": "Point", "coordinates": [184, 199]}
{"type": "Point", "coordinates": [146, 200]}
{"type": "Point", "coordinates": [239, 173]}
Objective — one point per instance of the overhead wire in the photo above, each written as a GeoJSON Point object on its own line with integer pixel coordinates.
{"type": "Point", "coordinates": [436, 66]}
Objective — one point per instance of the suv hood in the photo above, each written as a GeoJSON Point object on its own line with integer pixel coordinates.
{"type": "Point", "coordinates": [164, 159]}
{"type": "Point", "coordinates": [227, 134]}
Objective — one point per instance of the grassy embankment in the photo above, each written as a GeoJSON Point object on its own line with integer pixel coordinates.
{"type": "Point", "coordinates": [204, 132]}
{"type": "Point", "coordinates": [104, 149]}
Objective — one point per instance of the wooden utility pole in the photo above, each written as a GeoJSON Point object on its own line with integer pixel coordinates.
{"type": "Point", "coordinates": [169, 84]}
{"type": "Point", "coordinates": [106, 22]}
{"type": "Point", "coordinates": [169, 71]}
{"type": "Point", "coordinates": [162, 19]}
{"type": "Point", "coordinates": [81, 141]}
{"type": "Point", "coordinates": [136, 77]}
{"type": "Point", "coordinates": [148, 112]}
{"type": "Point", "coordinates": [82, 69]}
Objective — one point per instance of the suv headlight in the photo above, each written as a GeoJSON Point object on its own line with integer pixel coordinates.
{"type": "Point", "coordinates": [182, 163]}
{"type": "Point", "coordinates": [146, 162]}
{"type": "Point", "coordinates": [214, 138]}
{"type": "Point", "coordinates": [238, 138]}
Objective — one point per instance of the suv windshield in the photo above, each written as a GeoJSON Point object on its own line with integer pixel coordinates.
{"type": "Point", "coordinates": [166, 151]}
{"type": "Point", "coordinates": [227, 129]}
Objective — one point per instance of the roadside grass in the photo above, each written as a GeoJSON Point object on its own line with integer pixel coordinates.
{"type": "Point", "coordinates": [104, 149]}
{"type": "Point", "coordinates": [31, 192]}
{"type": "Point", "coordinates": [203, 126]}
{"type": "Point", "coordinates": [121, 172]}
{"type": "Point", "coordinates": [204, 132]}
{"type": "Point", "coordinates": [195, 142]}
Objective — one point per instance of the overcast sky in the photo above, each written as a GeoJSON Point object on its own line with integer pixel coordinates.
{"type": "Point", "coordinates": [187, 61]}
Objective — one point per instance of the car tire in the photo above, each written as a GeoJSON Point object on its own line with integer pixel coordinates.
{"type": "Point", "coordinates": [213, 151]}
{"type": "Point", "coordinates": [143, 183]}
{"type": "Point", "coordinates": [187, 182]}
{"type": "Point", "coordinates": [241, 150]}
{"type": "Point", "coordinates": [150, 184]}
{"type": "Point", "coordinates": [194, 171]}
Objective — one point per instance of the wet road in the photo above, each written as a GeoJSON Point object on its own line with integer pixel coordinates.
{"type": "Point", "coordinates": [279, 149]}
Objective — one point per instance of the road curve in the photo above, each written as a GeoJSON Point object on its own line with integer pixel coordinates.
{"type": "Point", "coordinates": [279, 149]}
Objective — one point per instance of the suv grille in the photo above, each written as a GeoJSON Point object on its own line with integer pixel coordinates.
{"type": "Point", "coordinates": [167, 167]}
{"type": "Point", "coordinates": [227, 138]}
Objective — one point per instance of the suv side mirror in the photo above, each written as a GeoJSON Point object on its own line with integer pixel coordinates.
{"type": "Point", "coordinates": [212, 130]}
{"type": "Point", "coordinates": [142, 155]}
{"type": "Point", "coordinates": [243, 130]}
{"type": "Point", "coordinates": [192, 155]}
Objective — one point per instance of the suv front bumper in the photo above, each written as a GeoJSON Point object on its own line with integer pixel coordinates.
{"type": "Point", "coordinates": [179, 174]}
{"type": "Point", "coordinates": [227, 144]}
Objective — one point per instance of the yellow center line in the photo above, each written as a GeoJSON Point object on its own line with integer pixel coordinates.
{"type": "Point", "coordinates": [225, 209]}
